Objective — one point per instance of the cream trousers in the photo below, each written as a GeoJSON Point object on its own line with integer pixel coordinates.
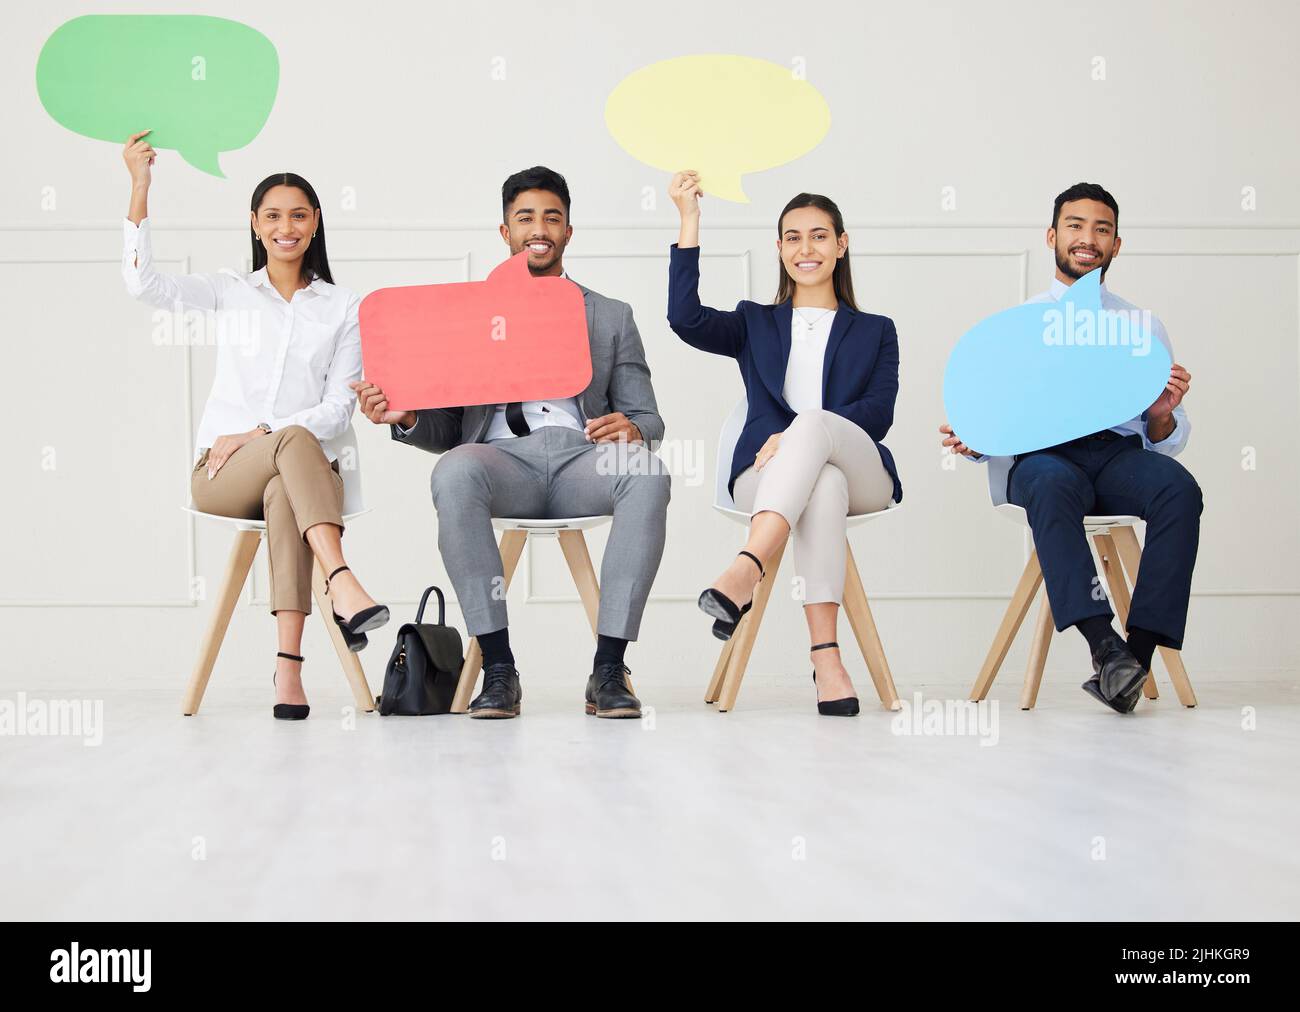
{"type": "Point", "coordinates": [825, 469]}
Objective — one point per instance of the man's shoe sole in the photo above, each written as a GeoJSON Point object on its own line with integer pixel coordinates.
{"type": "Point", "coordinates": [622, 711]}
{"type": "Point", "coordinates": [1095, 692]}
{"type": "Point", "coordinates": [494, 714]}
{"type": "Point", "coordinates": [1133, 687]}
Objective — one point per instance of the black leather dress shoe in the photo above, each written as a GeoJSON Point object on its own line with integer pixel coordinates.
{"type": "Point", "coordinates": [1118, 677]}
{"type": "Point", "coordinates": [608, 692]}
{"type": "Point", "coordinates": [501, 693]}
{"type": "Point", "coordinates": [1125, 704]}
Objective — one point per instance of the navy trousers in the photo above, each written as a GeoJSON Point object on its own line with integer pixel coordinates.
{"type": "Point", "coordinates": [1102, 474]}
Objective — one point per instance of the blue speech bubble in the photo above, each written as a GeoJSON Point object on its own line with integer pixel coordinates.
{"type": "Point", "coordinates": [1045, 373]}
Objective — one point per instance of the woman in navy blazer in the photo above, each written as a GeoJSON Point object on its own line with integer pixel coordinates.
{"type": "Point", "coordinates": [821, 378]}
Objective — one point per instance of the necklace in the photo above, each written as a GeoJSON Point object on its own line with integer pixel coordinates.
{"type": "Point", "coordinates": [808, 324]}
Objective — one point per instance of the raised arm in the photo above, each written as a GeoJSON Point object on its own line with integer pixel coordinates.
{"type": "Point", "coordinates": [166, 291]}
{"type": "Point", "coordinates": [713, 330]}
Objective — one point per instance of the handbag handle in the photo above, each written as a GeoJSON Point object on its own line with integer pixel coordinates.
{"type": "Point", "coordinates": [442, 606]}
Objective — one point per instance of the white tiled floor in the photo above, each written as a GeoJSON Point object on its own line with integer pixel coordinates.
{"type": "Point", "coordinates": [768, 811]}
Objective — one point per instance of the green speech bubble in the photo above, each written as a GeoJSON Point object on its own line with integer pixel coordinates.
{"type": "Point", "coordinates": [203, 85]}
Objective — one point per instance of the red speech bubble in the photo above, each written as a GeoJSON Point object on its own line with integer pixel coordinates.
{"type": "Point", "coordinates": [512, 337]}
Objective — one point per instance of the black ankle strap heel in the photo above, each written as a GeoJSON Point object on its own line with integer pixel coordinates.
{"type": "Point", "coordinates": [846, 707]}
{"type": "Point", "coordinates": [725, 612]}
{"type": "Point", "coordinates": [354, 629]}
{"type": "Point", "coordinates": [289, 711]}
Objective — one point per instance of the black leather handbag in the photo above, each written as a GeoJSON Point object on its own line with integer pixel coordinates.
{"type": "Point", "coordinates": [424, 667]}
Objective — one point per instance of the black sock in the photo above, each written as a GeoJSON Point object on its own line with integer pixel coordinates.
{"type": "Point", "coordinates": [609, 650]}
{"type": "Point", "coordinates": [496, 647]}
{"type": "Point", "coordinates": [1143, 644]}
{"type": "Point", "coordinates": [1095, 630]}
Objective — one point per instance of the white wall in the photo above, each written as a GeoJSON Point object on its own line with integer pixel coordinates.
{"type": "Point", "coordinates": [396, 102]}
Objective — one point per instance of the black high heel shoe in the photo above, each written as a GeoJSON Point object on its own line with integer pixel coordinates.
{"type": "Point", "coordinates": [726, 612]}
{"type": "Point", "coordinates": [846, 707]}
{"type": "Point", "coordinates": [354, 629]}
{"type": "Point", "coordinates": [289, 711]}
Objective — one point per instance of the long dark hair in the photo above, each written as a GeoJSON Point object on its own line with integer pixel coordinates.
{"type": "Point", "coordinates": [315, 262]}
{"type": "Point", "coordinates": [843, 276]}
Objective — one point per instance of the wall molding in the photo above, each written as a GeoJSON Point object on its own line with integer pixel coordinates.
{"type": "Point", "coordinates": [745, 262]}
{"type": "Point", "coordinates": [191, 550]}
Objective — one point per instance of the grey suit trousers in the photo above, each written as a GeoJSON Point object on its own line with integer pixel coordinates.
{"type": "Point", "coordinates": [552, 472]}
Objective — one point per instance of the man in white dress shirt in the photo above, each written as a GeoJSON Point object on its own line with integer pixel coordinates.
{"type": "Point", "coordinates": [549, 459]}
{"type": "Point", "coordinates": [1126, 469]}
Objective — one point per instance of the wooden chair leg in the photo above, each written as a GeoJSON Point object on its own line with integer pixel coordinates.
{"type": "Point", "coordinates": [1108, 552]}
{"type": "Point", "coordinates": [574, 546]}
{"type": "Point", "coordinates": [350, 662]}
{"type": "Point", "coordinates": [1044, 629]}
{"type": "Point", "coordinates": [719, 671]}
{"type": "Point", "coordinates": [1130, 553]}
{"type": "Point", "coordinates": [1023, 596]}
{"type": "Point", "coordinates": [747, 632]}
{"type": "Point", "coordinates": [1178, 675]}
{"type": "Point", "coordinates": [858, 610]}
{"type": "Point", "coordinates": [238, 564]}
{"type": "Point", "coordinates": [512, 546]}
{"type": "Point", "coordinates": [1108, 557]}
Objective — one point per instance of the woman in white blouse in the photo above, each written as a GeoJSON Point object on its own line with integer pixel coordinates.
{"type": "Point", "coordinates": [821, 377]}
{"type": "Point", "coordinates": [288, 345]}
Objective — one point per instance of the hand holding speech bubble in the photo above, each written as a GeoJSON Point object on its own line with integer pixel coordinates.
{"type": "Point", "coordinates": [203, 85]}
{"type": "Point", "coordinates": [512, 337]}
{"type": "Point", "coordinates": [1044, 373]}
{"type": "Point", "coordinates": [723, 116]}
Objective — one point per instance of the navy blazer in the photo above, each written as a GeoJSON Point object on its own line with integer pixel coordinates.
{"type": "Point", "coordinates": [859, 377]}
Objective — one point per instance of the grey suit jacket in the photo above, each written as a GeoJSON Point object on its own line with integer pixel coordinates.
{"type": "Point", "coordinates": [620, 381]}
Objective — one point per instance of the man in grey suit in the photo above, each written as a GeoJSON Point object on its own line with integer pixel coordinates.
{"type": "Point", "coordinates": [584, 456]}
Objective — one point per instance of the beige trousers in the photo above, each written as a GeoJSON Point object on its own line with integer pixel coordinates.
{"type": "Point", "coordinates": [284, 479]}
{"type": "Point", "coordinates": [824, 469]}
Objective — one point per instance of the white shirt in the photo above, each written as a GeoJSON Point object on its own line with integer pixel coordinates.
{"type": "Point", "coordinates": [1172, 444]}
{"type": "Point", "coordinates": [282, 363]}
{"type": "Point", "coordinates": [810, 329]}
{"type": "Point", "coordinates": [538, 414]}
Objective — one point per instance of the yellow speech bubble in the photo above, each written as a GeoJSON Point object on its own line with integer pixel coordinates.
{"type": "Point", "coordinates": [723, 116]}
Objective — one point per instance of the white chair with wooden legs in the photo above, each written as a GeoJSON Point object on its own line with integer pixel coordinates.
{"type": "Point", "coordinates": [1118, 551]}
{"type": "Point", "coordinates": [729, 671]}
{"type": "Point", "coordinates": [515, 533]}
{"type": "Point", "coordinates": [248, 535]}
